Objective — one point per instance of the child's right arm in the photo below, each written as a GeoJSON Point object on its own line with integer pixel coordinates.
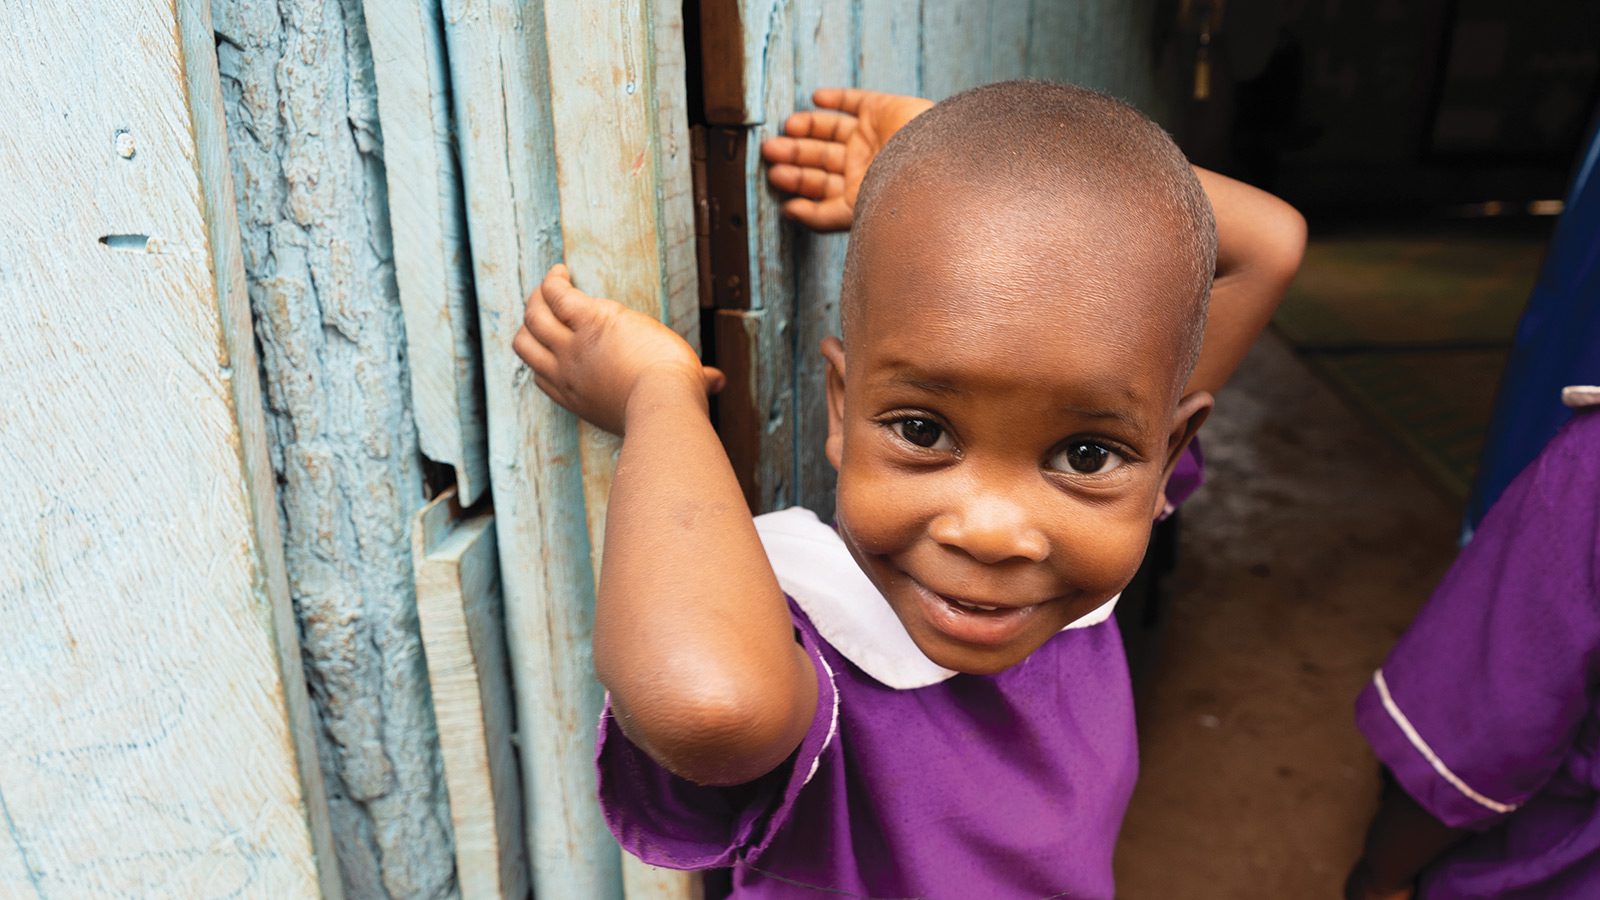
{"type": "Point", "coordinates": [692, 636]}
{"type": "Point", "coordinates": [1401, 841]}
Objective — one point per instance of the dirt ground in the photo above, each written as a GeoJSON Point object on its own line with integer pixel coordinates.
{"type": "Point", "coordinates": [1305, 555]}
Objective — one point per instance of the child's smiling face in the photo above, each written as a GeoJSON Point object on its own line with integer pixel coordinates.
{"type": "Point", "coordinates": [1007, 419]}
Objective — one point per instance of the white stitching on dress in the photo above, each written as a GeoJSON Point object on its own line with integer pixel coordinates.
{"type": "Point", "coordinates": [1427, 752]}
{"type": "Point", "coordinates": [833, 724]}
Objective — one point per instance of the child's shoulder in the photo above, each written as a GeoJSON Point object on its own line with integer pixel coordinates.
{"type": "Point", "coordinates": [1571, 461]}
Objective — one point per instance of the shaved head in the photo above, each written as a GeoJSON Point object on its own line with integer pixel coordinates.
{"type": "Point", "coordinates": [1038, 162]}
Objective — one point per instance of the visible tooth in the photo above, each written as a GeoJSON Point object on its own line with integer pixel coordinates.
{"type": "Point", "coordinates": [976, 606]}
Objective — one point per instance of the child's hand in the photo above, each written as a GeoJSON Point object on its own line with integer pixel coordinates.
{"type": "Point", "coordinates": [590, 354]}
{"type": "Point", "coordinates": [826, 154]}
{"type": "Point", "coordinates": [1359, 886]}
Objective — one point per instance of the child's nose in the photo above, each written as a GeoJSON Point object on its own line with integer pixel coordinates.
{"type": "Point", "coordinates": [991, 529]}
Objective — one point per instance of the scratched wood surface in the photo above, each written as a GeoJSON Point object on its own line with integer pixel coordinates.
{"type": "Point", "coordinates": [499, 77]}
{"type": "Point", "coordinates": [157, 737]}
{"type": "Point", "coordinates": [303, 140]}
{"type": "Point", "coordinates": [934, 48]}
{"type": "Point", "coordinates": [463, 631]}
{"type": "Point", "coordinates": [627, 223]}
{"type": "Point", "coordinates": [430, 252]}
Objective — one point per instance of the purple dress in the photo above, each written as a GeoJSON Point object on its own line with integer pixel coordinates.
{"type": "Point", "coordinates": [913, 781]}
{"type": "Point", "coordinates": [1488, 709]}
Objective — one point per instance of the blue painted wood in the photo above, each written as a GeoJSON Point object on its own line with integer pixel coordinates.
{"type": "Point", "coordinates": [501, 94]}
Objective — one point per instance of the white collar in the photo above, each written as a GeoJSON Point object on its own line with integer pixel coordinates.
{"type": "Point", "coordinates": [816, 569]}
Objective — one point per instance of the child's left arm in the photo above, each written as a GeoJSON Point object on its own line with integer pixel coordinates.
{"type": "Point", "coordinates": [1260, 240]}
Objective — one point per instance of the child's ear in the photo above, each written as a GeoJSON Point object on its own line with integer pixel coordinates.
{"type": "Point", "coordinates": [1186, 421]}
{"type": "Point", "coordinates": [833, 352]}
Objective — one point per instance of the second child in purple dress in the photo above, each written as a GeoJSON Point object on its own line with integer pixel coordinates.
{"type": "Point", "coordinates": [928, 699]}
{"type": "Point", "coordinates": [1487, 712]}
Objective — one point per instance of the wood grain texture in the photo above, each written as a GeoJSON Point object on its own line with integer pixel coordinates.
{"type": "Point", "coordinates": [772, 269]}
{"type": "Point", "coordinates": [499, 83]}
{"type": "Point", "coordinates": [826, 52]}
{"type": "Point", "coordinates": [429, 227]}
{"type": "Point", "coordinates": [674, 178]}
{"type": "Point", "coordinates": [463, 631]}
{"type": "Point", "coordinates": [956, 39]}
{"type": "Point", "coordinates": [890, 46]}
{"type": "Point", "coordinates": [627, 220]}
{"type": "Point", "coordinates": [150, 745]}
{"type": "Point", "coordinates": [736, 38]}
{"type": "Point", "coordinates": [300, 100]}
{"type": "Point", "coordinates": [756, 407]}
{"type": "Point", "coordinates": [606, 110]}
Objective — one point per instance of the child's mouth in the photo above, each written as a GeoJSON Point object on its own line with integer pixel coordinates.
{"type": "Point", "coordinates": [970, 622]}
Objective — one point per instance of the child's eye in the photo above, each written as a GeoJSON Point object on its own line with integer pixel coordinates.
{"type": "Point", "coordinates": [923, 433]}
{"type": "Point", "coordinates": [1086, 458]}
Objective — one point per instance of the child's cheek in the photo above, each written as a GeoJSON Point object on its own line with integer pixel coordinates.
{"type": "Point", "coordinates": [878, 509]}
{"type": "Point", "coordinates": [1106, 554]}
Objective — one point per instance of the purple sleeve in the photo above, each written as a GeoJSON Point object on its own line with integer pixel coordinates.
{"type": "Point", "coordinates": [1480, 701]}
{"type": "Point", "coordinates": [669, 822]}
{"type": "Point", "coordinates": [1187, 475]}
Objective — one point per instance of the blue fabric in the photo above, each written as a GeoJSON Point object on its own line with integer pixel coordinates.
{"type": "Point", "coordinates": [1557, 343]}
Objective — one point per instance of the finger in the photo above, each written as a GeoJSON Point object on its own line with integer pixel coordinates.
{"type": "Point", "coordinates": [829, 215]}
{"type": "Point", "coordinates": [715, 380]}
{"type": "Point", "coordinates": [814, 184]}
{"type": "Point", "coordinates": [539, 320]}
{"type": "Point", "coordinates": [564, 300]}
{"type": "Point", "coordinates": [825, 155]}
{"type": "Point", "coordinates": [537, 356]}
{"type": "Point", "coordinates": [841, 98]}
{"type": "Point", "coordinates": [821, 126]}
{"type": "Point", "coordinates": [549, 388]}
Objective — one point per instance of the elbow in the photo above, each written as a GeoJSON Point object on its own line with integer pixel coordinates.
{"type": "Point", "coordinates": [714, 730]}
{"type": "Point", "coordinates": [1280, 255]}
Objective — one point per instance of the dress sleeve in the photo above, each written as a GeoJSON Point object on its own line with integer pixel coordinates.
{"type": "Point", "coordinates": [1481, 700]}
{"type": "Point", "coordinates": [667, 821]}
{"type": "Point", "coordinates": [1187, 475]}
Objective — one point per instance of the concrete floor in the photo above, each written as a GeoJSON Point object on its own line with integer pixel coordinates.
{"type": "Point", "coordinates": [1308, 551]}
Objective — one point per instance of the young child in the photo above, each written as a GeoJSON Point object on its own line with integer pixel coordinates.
{"type": "Point", "coordinates": [1486, 714]}
{"type": "Point", "coordinates": [926, 699]}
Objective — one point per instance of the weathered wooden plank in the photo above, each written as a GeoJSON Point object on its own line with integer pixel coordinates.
{"type": "Point", "coordinates": [955, 46]}
{"type": "Point", "coordinates": [612, 164]}
{"type": "Point", "coordinates": [207, 108]}
{"type": "Point", "coordinates": [303, 133]}
{"type": "Point", "coordinates": [430, 253]}
{"type": "Point", "coordinates": [1106, 46]}
{"type": "Point", "coordinates": [772, 264]}
{"type": "Point", "coordinates": [1008, 39]}
{"type": "Point", "coordinates": [890, 46]}
{"type": "Point", "coordinates": [458, 604]}
{"type": "Point", "coordinates": [757, 408]}
{"type": "Point", "coordinates": [674, 177]}
{"type": "Point", "coordinates": [153, 677]}
{"type": "Point", "coordinates": [627, 220]}
{"type": "Point", "coordinates": [736, 38]}
{"type": "Point", "coordinates": [825, 53]}
{"type": "Point", "coordinates": [499, 74]}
